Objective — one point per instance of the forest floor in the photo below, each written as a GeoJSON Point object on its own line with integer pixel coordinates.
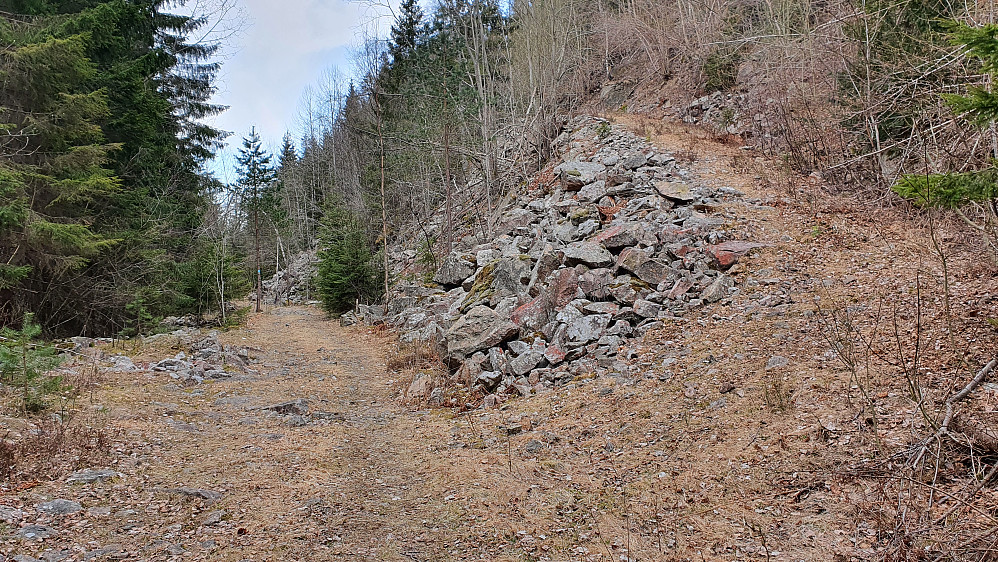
{"type": "Point", "coordinates": [746, 436]}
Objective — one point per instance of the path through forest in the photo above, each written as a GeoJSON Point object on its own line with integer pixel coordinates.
{"type": "Point", "coordinates": [210, 475]}
{"type": "Point", "coordinates": [739, 434]}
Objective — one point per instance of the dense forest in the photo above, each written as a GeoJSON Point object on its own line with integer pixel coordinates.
{"type": "Point", "coordinates": [109, 221]}
{"type": "Point", "coordinates": [102, 197]}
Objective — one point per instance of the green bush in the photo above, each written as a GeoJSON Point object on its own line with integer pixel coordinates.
{"type": "Point", "coordinates": [25, 364]}
{"type": "Point", "coordinates": [720, 71]}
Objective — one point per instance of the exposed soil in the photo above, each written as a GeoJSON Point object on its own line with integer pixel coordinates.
{"type": "Point", "coordinates": [717, 450]}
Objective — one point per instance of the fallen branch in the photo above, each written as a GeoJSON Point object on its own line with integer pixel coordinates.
{"type": "Point", "coordinates": [950, 406]}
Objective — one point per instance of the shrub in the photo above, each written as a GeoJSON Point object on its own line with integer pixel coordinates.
{"type": "Point", "coordinates": [25, 365]}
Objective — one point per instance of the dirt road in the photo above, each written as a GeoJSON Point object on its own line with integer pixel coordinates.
{"type": "Point", "coordinates": [207, 474]}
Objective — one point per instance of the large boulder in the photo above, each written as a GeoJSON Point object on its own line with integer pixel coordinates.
{"type": "Point", "coordinates": [575, 175]}
{"type": "Point", "coordinates": [510, 278]}
{"type": "Point", "coordinates": [479, 329]}
{"type": "Point", "coordinates": [586, 329]}
{"type": "Point", "coordinates": [454, 270]}
{"type": "Point", "coordinates": [588, 254]}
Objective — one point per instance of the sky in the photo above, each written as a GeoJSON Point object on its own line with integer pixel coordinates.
{"type": "Point", "coordinates": [273, 50]}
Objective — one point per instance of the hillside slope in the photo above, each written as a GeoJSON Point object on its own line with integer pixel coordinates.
{"type": "Point", "coordinates": [776, 422]}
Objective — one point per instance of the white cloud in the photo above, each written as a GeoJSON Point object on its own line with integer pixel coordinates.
{"type": "Point", "coordinates": [285, 46]}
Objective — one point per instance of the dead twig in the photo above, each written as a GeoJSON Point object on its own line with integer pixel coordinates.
{"type": "Point", "coordinates": [943, 430]}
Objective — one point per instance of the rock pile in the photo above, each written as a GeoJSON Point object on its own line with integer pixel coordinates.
{"type": "Point", "coordinates": [600, 249]}
{"type": "Point", "coordinates": [293, 285]}
{"type": "Point", "coordinates": [209, 359]}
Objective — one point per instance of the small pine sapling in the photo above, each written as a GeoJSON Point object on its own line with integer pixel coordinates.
{"type": "Point", "coordinates": [25, 365]}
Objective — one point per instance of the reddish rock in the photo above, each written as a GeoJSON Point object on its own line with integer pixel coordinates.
{"type": "Point", "coordinates": [680, 288]}
{"type": "Point", "coordinates": [615, 237]}
{"type": "Point", "coordinates": [532, 315]}
{"type": "Point", "coordinates": [673, 233]}
{"type": "Point", "coordinates": [562, 288]}
{"type": "Point", "coordinates": [726, 254]}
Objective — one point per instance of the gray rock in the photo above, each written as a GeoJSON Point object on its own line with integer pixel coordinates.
{"type": "Point", "coordinates": [634, 161]}
{"type": "Point", "coordinates": [526, 362]}
{"type": "Point", "coordinates": [294, 407]}
{"type": "Point", "coordinates": [586, 329]}
{"type": "Point", "coordinates": [454, 270]}
{"type": "Point", "coordinates": [776, 362]}
{"type": "Point", "coordinates": [718, 289]}
{"type": "Point", "coordinates": [59, 507]}
{"type": "Point", "coordinates": [26, 558]}
{"type": "Point", "coordinates": [89, 476]}
{"type": "Point", "coordinates": [575, 175]}
{"type": "Point", "coordinates": [10, 514]}
{"type": "Point", "coordinates": [646, 309]}
{"type": "Point", "coordinates": [36, 532]}
{"type": "Point", "coordinates": [588, 254]}
{"type": "Point", "coordinates": [479, 329]}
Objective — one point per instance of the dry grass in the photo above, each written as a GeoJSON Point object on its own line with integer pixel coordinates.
{"type": "Point", "coordinates": [50, 449]}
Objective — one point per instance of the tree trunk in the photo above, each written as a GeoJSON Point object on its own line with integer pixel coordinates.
{"type": "Point", "coordinates": [256, 236]}
{"type": "Point", "coordinates": [447, 181]}
{"type": "Point", "coordinates": [384, 210]}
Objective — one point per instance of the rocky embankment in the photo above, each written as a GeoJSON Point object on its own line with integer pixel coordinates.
{"type": "Point", "coordinates": [613, 241]}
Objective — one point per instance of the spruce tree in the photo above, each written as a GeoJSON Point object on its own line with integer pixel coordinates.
{"type": "Point", "coordinates": [256, 181]}
{"type": "Point", "coordinates": [979, 106]}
